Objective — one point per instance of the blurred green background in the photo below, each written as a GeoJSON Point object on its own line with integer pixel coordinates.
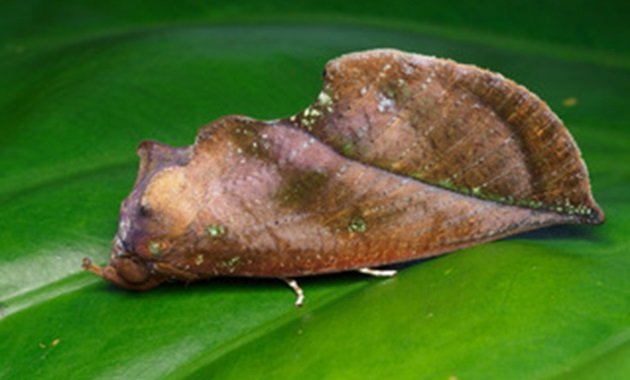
{"type": "Point", "coordinates": [82, 82]}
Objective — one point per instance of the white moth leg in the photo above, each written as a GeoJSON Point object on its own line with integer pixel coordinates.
{"type": "Point", "coordinates": [296, 288]}
{"type": "Point", "coordinates": [378, 272]}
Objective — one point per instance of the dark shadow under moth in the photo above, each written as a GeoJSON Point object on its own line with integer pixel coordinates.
{"type": "Point", "coordinates": [400, 157]}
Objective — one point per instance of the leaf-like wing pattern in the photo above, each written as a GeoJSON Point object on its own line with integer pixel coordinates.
{"type": "Point", "coordinates": [400, 157]}
{"type": "Point", "coordinates": [451, 125]}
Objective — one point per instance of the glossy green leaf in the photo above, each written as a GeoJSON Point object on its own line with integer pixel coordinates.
{"type": "Point", "coordinates": [75, 102]}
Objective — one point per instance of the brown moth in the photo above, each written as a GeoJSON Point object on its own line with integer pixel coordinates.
{"type": "Point", "coordinates": [401, 157]}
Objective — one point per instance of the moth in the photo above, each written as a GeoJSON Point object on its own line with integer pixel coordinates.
{"type": "Point", "coordinates": [400, 157]}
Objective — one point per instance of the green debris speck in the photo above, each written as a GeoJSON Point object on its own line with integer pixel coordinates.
{"type": "Point", "coordinates": [357, 224]}
{"type": "Point", "coordinates": [154, 248]}
{"type": "Point", "coordinates": [324, 99]}
{"type": "Point", "coordinates": [231, 262]}
{"type": "Point", "coordinates": [348, 149]}
{"type": "Point", "coordinates": [446, 183]}
{"type": "Point", "coordinates": [416, 175]}
{"type": "Point", "coordinates": [216, 230]}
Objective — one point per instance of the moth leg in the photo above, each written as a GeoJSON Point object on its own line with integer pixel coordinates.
{"type": "Point", "coordinates": [378, 272]}
{"type": "Point", "coordinates": [296, 288]}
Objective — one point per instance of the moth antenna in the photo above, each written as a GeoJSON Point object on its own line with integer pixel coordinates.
{"type": "Point", "coordinates": [89, 266]}
{"type": "Point", "coordinates": [296, 288]}
{"type": "Point", "coordinates": [378, 272]}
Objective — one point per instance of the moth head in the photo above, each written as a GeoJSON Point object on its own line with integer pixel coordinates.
{"type": "Point", "coordinates": [161, 204]}
{"type": "Point", "coordinates": [157, 210]}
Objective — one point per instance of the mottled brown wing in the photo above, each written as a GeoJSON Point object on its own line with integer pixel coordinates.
{"type": "Point", "coordinates": [289, 205]}
{"type": "Point", "coordinates": [400, 157]}
{"type": "Point", "coordinates": [451, 125]}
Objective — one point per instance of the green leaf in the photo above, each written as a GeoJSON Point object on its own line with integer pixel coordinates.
{"type": "Point", "coordinates": [74, 103]}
